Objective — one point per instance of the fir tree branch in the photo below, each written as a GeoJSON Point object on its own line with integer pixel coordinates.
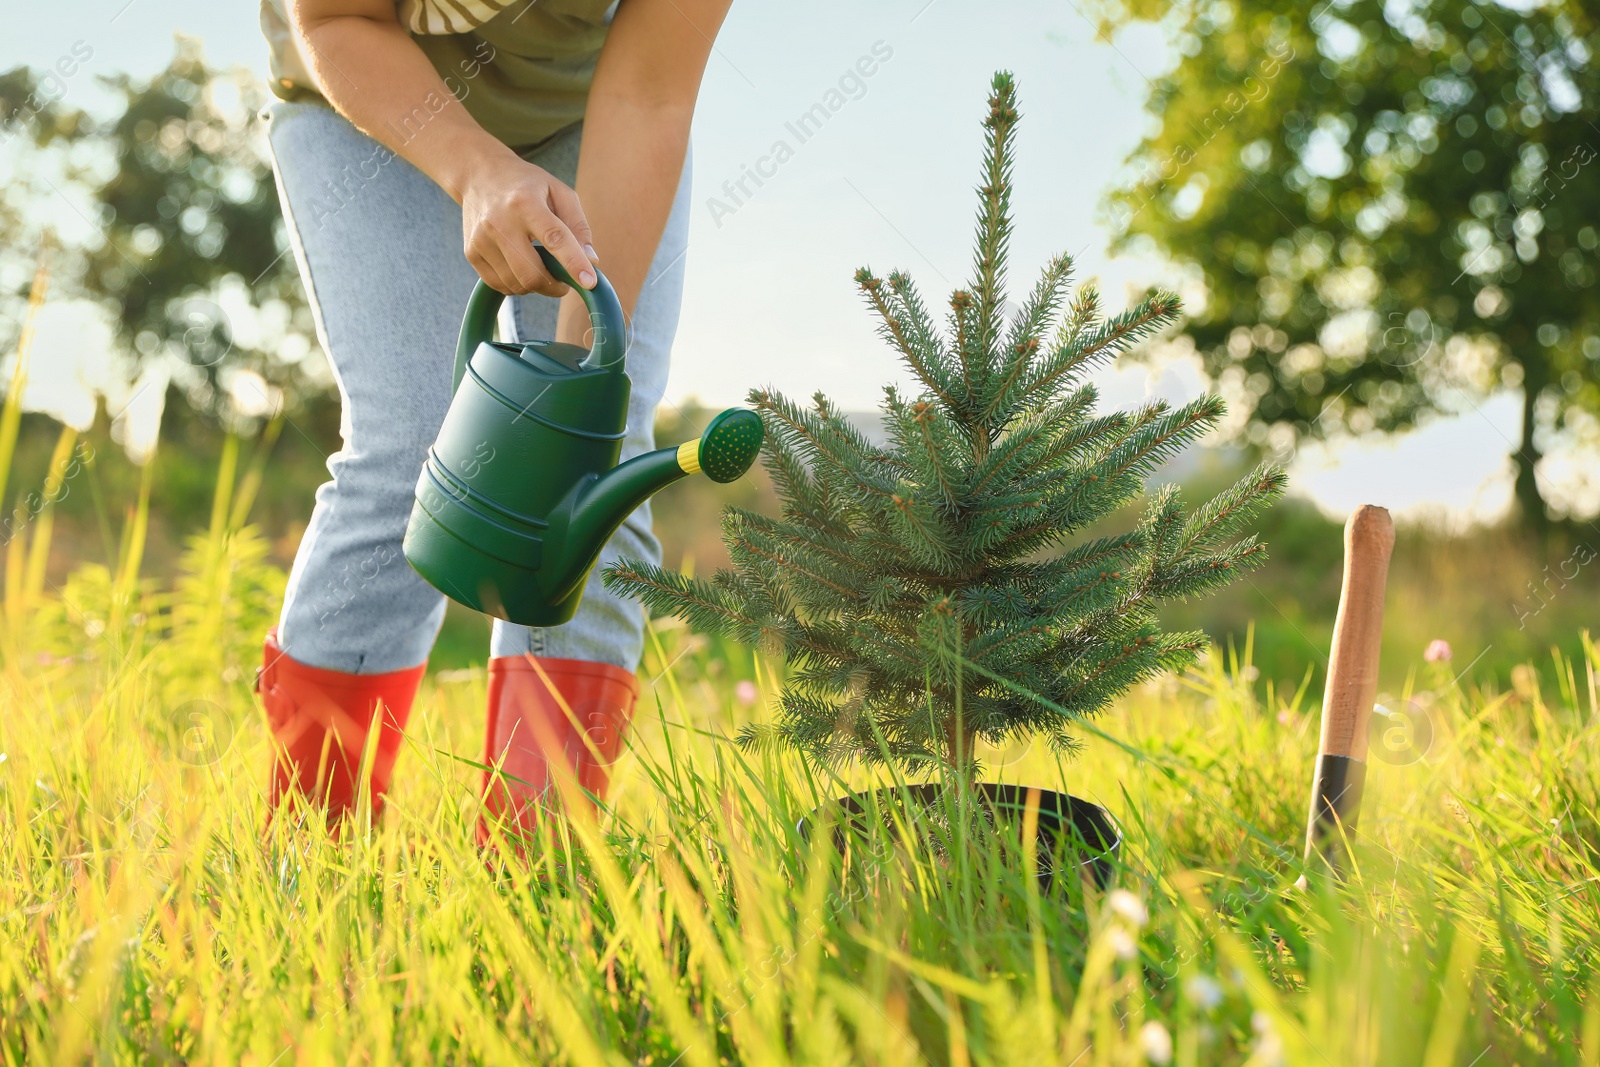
{"type": "Point", "coordinates": [921, 532]}
{"type": "Point", "coordinates": [996, 466]}
{"type": "Point", "coordinates": [1193, 576]}
{"type": "Point", "coordinates": [928, 444]}
{"type": "Point", "coordinates": [897, 659]}
{"type": "Point", "coordinates": [755, 545]}
{"type": "Point", "coordinates": [1083, 314]}
{"type": "Point", "coordinates": [1108, 665]}
{"type": "Point", "coordinates": [759, 737]}
{"type": "Point", "coordinates": [1039, 445]}
{"type": "Point", "coordinates": [840, 547]}
{"type": "Point", "coordinates": [1227, 512]}
{"type": "Point", "coordinates": [919, 328]}
{"type": "Point", "coordinates": [994, 237]}
{"type": "Point", "coordinates": [1161, 436]}
{"type": "Point", "coordinates": [1023, 342]}
{"type": "Point", "coordinates": [1104, 342]}
{"type": "Point", "coordinates": [1163, 525]}
{"type": "Point", "coordinates": [938, 633]}
{"type": "Point", "coordinates": [911, 333]}
{"type": "Point", "coordinates": [1143, 655]}
{"type": "Point", "coordinates": [1083, 592]}
{"type": "Point", "coordinates": [668, 592]}
{"type": "Point", "coordinates": [1091, 436]}
{"type": "Point", "coordinates": [1072, 501]}
{"type": "Point", "coordinates": [1101, 552]}
{"type": "Point", "coordinates": [996, 640]}
{"type": "Point", "coordinates": [1155, 311]}
{"type": "Point", "coordinates": [962, 326]}
{"type": "Point", "coordinates": [990, 605]}
{"type": "Point", "coordinates": [830, 441]}
{"type": "Point", "coordinates": [804, 499]}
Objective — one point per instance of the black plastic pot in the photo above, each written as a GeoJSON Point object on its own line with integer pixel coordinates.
{"type": "Point", "coordinates": [1072, 834]}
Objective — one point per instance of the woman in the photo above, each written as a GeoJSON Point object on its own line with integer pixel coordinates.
{"type": "Point", "coordinates": [418, 148]}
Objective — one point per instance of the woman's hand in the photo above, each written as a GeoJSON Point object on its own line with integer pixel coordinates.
{"type": "Point", "coordinates": [636, 129]}
{"type": "Point", "coordinates": [370, 69]}
{"type": "Point", "coordinates": [508, 205]}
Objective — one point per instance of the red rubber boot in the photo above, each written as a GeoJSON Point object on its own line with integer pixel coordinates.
{"type": "Point", "coordinates": [528, 728]}
{"type": "Point", "coordinates": [321, 720]}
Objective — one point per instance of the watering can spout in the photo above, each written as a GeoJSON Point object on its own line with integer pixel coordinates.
{"type": "Point", "coordinates": [600, 503]}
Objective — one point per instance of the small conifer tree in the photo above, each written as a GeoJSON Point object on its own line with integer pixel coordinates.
{"type": "Point", "coordinates": [930, 591]}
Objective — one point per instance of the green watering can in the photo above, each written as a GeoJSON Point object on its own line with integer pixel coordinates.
{"type": "Point", "coordinates": [522, 488]}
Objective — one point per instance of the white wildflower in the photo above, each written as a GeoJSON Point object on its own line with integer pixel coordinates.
{"type": "Point", "coordinates": [1128, 906]}
{"type": "Point", "coordinates": [1269, 1046]}
{"type": "Point", "coordinates": [1157, 1043]}
{"type": "Point", "coordinates": [1122, 943]}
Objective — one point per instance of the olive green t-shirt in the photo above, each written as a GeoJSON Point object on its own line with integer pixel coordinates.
{"type": "Point", "coordinates": [524, 75]}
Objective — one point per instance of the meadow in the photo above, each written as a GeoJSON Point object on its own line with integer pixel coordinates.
{"type": "Point", "coordinates": [147, 916]}
{"type": "Point", "coordinates": [152, 912]}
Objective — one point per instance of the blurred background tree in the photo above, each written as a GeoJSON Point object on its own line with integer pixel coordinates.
{"type": "Point", "coordinates": [187, 250]}
{"type": "Point", "coordinates": [34, 122]}
{"type": "Point", "coordinates": [1391, 205]}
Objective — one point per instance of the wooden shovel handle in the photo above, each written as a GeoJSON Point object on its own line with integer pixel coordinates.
{"type": "Point", "coordinates": [1341, 770]}
{"type": "Point", "coordinates": [1357, 634]}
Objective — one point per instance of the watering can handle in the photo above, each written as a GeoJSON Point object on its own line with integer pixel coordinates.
{"type": "Point", "coordinates": [605, 316]}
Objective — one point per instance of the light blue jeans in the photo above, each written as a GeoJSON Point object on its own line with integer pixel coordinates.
{"type": "Point", "coordinates": [379, 248]}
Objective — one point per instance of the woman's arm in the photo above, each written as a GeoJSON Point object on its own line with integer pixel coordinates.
{"type": "Point", "coordinates": [368, 67]}
{"type": "Point", "coordinates": [636, 134]}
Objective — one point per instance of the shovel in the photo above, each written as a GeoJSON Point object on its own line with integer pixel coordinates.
{"type": "Point", "coordinates": [1352, 686]}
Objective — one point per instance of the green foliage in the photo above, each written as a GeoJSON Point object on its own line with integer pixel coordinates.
{"type": "Point", "coordinates": [187, 234]}
{"type": "Point", "coordinates": [31, 105]}
{"type": "Point", "coordinates": [149, 915]}
{"type": "Point", "coordinates": [193, 214]}
{"type": "Point", "coordinates": [34, 120]}
{"type": "Point", "coordinates": [930, 591]}
{"type": "Point", "coordinates": [1392, 207]}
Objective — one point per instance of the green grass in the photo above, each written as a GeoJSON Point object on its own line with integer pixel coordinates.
{"type": "Point", "coordinates": [146, 917]}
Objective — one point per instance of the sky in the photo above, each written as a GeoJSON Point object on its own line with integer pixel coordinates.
{"type": "Point", "coordinates": [886, 182]}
